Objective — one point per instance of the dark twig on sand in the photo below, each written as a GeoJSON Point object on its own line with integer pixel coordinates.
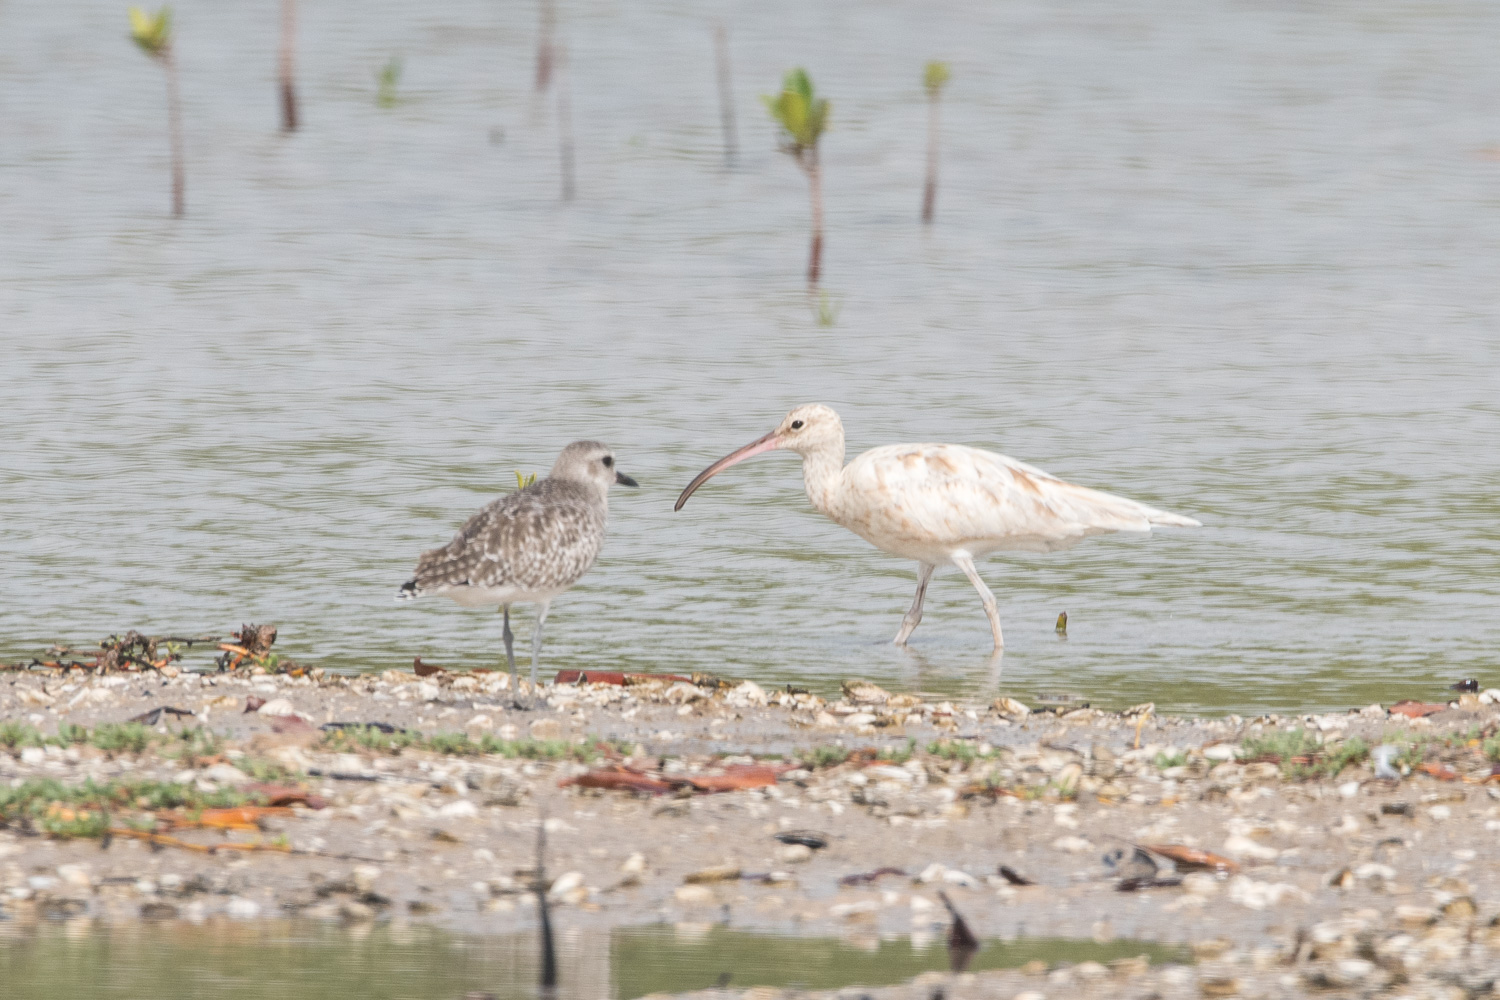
{"type": "Point", "coordinates": [539, 886]}
{"type": "Point", "coordinates": [962, 944]}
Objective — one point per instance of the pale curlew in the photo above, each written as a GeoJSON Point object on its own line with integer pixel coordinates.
{"type": "Point", "coordinates": [941, 503]}
{"type": "Point", "coordinates": [528, 546]}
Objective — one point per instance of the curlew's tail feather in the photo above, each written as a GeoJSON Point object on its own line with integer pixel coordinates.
{"type": "Point", "coordinates": [1174, 520]}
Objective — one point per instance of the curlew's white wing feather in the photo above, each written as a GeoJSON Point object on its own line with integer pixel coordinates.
{"type": "Point", "coordinates": [928, 498]}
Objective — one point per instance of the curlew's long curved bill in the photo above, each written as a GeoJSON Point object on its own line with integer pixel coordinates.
{"type": "Point", "coordinates": [768, 443]}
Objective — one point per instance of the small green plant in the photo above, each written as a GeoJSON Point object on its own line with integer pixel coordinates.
{"type": "Point", "coordinates": [934, 79]}
{"type": "Point", "coordinates": [899, 755]}
{"type": "Point", "coordinates": [523, 480]}
{"type": "Point", "coordinates": [456, 744]}
{"type": "Point", "coordinates": [85, 810]}
{"type": "Point", "coordinates": [266, 771]}
{"type": "Point", "coordinates": [386, 81]}
{"type": "Point", "coordinates": [18, 734]}
{"type": "Point", "coordinates": [803, 117]}
{"type": "Point", "coordinates": [824, 756]}
{"type": "Point", "coordinates": [194, 744]}
{"type": "Point", "coordinates": [1302, 754]}
{"type": "Point", "coordinates": [369, 738]}
{"type": "Point", "coordinates": [963, 751]}
{"type": "Point", "coordinates": [1164, 761]}
{"type": "Point", "coordinates": [121, 737]}
{"type": "Point", "coordinates": [70, 734]}
{"type": "Point", "coordinates": [1280, 744]}
{"type": "Point", "coordinates": [1350, 752]}
{"type": "Point", "coordinates": [153, 34]}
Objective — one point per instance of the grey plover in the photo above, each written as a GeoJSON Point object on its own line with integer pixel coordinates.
{"type": "Point", "coordinates": [527, 547]}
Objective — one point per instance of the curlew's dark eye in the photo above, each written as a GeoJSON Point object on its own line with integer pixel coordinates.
{"type": "Point", "coordinates": [796, 425]}
{"type": "Point", "coordinates": [608, 462]}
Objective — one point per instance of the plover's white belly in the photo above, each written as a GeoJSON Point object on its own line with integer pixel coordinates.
{"type": "Point", "coordinates": [491, 597]}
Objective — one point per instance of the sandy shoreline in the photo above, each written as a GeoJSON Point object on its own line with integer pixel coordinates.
{"type": "Point", "coordinates": [1367, 883]}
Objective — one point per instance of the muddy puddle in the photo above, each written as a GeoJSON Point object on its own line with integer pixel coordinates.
{"type": "Point", "coordinates": [248, 961]}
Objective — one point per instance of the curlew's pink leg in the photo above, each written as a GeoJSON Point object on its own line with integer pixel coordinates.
{"type": "Point", "coordinates": [914, 616]}
{"type": "Point", "coordinates": [963, 561]}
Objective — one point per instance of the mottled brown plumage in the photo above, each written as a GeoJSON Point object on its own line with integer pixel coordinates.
{"type": "Point", "coordinates": [539, 540]}
{"type": "Point", "coordinates": [529, 546]}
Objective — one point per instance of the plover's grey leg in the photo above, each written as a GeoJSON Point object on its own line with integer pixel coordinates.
{"type": "Point", "coordinates": [536, 640]}
{"type": "Point", "coordinates": [914, 616]}
{"type": "Point", "coordinates": [964, 562]}
{"type": "Point", "coordinates": [510, 646]}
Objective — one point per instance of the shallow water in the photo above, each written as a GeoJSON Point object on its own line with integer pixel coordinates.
{"type": "Point", "coordinates": [1234, 260]}
{"type": "Point", "coordinates": [276, 960]}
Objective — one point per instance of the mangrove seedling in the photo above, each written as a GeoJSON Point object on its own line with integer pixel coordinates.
{"type": "Point", "coordinates": [153, 33]}
{"type": "Point", "coordinates": [386, 81]}
{"type": "Point", "coordinates": [803, 116]}
{"type": "Point", "coordinates": [523, 480]}
{"type": "Point", "coordinates": [934, 78]}
{"type": "Point", "coordinates": [285, 65]}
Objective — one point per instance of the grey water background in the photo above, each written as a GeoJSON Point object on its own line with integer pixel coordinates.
{"type": "Point", "coordinates": [1236, 260]}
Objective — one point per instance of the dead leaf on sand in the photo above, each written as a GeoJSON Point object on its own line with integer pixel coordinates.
{"type": "Point", "coordinates": [1191, 858]}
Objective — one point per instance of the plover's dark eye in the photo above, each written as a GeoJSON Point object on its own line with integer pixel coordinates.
{"type": "Point", "coordinates": [608, 462]}
{"type": "Point", "coordinates": [796, 425]}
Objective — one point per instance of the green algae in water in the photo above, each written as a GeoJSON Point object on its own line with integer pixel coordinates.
{"type": "Point", "coordinates": [664, 960]}
{"type": "Point", "coordinates": [223, 960]}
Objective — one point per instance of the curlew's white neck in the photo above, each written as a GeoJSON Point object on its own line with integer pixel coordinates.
{"type": "Point", "coordinates": [823, 473]}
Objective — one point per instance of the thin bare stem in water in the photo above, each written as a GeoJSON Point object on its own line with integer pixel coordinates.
{"type": "Point", "coordinates": [286, 65]}
{"type": "Point", "coordinates": [815, 183]}
{"type": "Point", "coordinates": [565, 125]}
{"type": "Point", "coordinates": [934, 79]}
{"type": "Point", "coordinates": [546, 48]}
{"type": "Point", "coordinates": [726, 94]}
{"type": "Point", "coordinates": [549, 951]}
{"type": "Point", "coordinates": [174, 124]}
{"type": "Point", "coordinates": [929, 190]}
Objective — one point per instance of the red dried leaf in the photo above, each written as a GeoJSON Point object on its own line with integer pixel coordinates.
{"type": "Point", "coordinates": [285, 795]}
{"type": "Point", "coordinates": [1442, 772]}
{"type": "Point", "coordinates": [291, 724]}
{"type": "Point", "coordinates": [236, 818]}
{"type": "Point", "coordinates": [738, 777]}
{"type": "Point", "coordinates": [1415, 709]}
{"type": "Point", "coordinates": [613, 677]}
{"type": "Point", "coordinates": [619, 778]}
{"type": "Point", "coordinates": [425, 669]}
{"type": "Point", "coordinates": [1190, 858]}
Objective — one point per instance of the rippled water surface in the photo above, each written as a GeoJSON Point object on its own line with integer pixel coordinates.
{"type": "Point", "coordinates": [1237, 260]}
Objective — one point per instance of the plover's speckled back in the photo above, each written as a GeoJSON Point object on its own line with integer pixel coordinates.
{"type": "Point", "coordinates": [529, 546]}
